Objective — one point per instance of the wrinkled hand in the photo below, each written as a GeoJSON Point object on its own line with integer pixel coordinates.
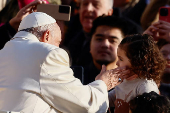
{"type": "Point", "coordinates": [159, 30]}
{"type": "Point", "coordinates": [111, 77]}
{"type": "Point", "coordinates": [32, 7]}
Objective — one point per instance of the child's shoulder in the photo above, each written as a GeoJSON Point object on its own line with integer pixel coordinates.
{"type": "Point", "coordinates": [147, 86]}
{"type": "Point", "coordinates": [146, 82]}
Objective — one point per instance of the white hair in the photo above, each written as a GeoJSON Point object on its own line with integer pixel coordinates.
{"type": "Point", "coordinates": [39, 31]}
{"type": "Point", "coordinates": [111, 2]}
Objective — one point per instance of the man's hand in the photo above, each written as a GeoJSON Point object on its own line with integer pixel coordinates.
{"type": "Point", "coordinates": [111, 77]}
{"type": "Point", "coordinates": [159, 30]}
{"type": "Point", "coordinates": [152, 30]}
{"type": "Point", "coordinates": [32, 7]}
{"type": "Point", "coordinates": [164, 30]}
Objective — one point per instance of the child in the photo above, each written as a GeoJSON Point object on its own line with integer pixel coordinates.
{"type": "Point", "coordinates": [150, 103]}
{"type": "Point", "coordinates": [140, 54]}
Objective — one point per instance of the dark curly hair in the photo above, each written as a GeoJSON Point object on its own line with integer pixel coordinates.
{"type": "Point", "coordinates": [150, 103]}
{"type": "Point", "coordinates": [144, 56]}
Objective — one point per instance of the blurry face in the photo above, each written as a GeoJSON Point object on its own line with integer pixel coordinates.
{"type": "Point", "coordinates": [90, 10]}
{"type": "Point", "coordinates": [165, 50]}
{"type": "Point", "coordinates": [104, 44]}
{"type": "Point", "coordinates": [122, 59]}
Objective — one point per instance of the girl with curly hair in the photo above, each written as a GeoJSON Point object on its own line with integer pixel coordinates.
{"type": "Point", "coordinates": [139, 54]}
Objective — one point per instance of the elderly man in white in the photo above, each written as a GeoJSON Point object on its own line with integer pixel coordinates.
{"type": "Point", "coordinates": [35, 76]}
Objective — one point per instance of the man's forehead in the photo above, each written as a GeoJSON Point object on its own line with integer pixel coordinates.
{"type": "Point", "coordinates": [104, 28]}
{"type": "Point", "coordinates": [113, 32]}
{"type": "Point", "coordinates": [91, 0]}
{"type": "Point", "coordinates": [102, 35]}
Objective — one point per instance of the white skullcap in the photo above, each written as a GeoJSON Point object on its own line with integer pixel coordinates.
{"type": "Point", "coordinates": [36, 19]}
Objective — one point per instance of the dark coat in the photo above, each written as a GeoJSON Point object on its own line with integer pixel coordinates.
{"type": "Point", "coordinates": [6, 33]}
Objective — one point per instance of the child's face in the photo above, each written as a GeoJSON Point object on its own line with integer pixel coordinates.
{"type": "Point", "coordinates": [122, 59]}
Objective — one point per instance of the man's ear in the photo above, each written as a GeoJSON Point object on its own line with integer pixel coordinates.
{"type": "Point", "coordinates": [46, 37]}
{"type": "Point", "coordinates": [110, 12]}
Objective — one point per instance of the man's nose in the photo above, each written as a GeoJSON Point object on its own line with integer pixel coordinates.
{"type": "Point", "coordinates": [106, 43]}
{"type": "Point", "coordinates": [90, 7]}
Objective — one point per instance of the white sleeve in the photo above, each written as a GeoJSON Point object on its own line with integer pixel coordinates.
{"type": "Point", "coordinates": [66, 93]}
{"type": "Point", "coordinates": [147, 87]}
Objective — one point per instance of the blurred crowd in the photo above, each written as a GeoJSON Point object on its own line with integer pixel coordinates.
{"type": "Point", "coordinates": [94, 35]}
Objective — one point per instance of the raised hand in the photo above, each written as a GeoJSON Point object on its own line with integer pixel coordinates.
{"type": "Point", "coordinates": [159, 30]}
{"type": "Point", "coordinates": [32, 7]}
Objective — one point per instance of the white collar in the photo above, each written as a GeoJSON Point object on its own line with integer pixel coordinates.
{"type": "Point", "coordinates": [25, 35]}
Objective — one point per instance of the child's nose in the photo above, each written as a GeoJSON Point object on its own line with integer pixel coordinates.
{"type": "Point", "coordinates": [117, 63]}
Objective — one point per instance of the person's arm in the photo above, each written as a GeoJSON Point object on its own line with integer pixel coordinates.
{"type": "Point", "coordinates": [66, 93]}
{"type": "Point", "coordinates": [8, 30]}
{"type": "Point", "coordinates": [32, 7]}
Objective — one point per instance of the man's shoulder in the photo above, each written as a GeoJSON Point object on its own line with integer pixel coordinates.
{"type": "Point", "coordinates": [40, 46]}
{"type": "Point", "coordinates": [51, 49]}
{"type": "Point", "coordinates": [46, 46]}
